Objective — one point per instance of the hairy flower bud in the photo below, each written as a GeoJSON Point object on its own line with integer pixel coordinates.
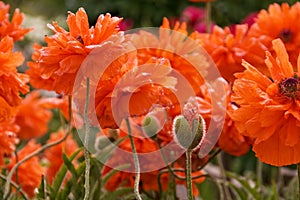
{"type": "Point", "coordinates": [151, 126]}
{"type": "Point", "coordinates": [186, 135]}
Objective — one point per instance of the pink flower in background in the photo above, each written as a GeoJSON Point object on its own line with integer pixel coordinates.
{"type": "Point", "coordinates": [193, 15]}
{"type": "Point", "coordinates": [250, 19]}
{"type": "Point", "coordinates": [201, 27]}
{"type": "Point", "coordinates": [126, 24]}
{"type": "Point", "coordinates": [195, 18]}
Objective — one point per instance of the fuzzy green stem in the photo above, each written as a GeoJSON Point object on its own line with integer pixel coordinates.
{"type": "Point", "coordinates": [15, 185]}
{"type": "Point", "coordinates": [208, 17]}
{"type": "Point", "coordinates": [259, 168]}
{"type": "Point", "coordinates": [298, 170]}
{"type": "Point", "coordinates": [86, 142]}
{"type": "Point", "coordinates": [172, 174]}
{"type": "Point", "coordinates": [188, 175]}
{"type": "Point", "coordinates": [223, 176]}
{"type": "Point", "coordinates": [136, 163]}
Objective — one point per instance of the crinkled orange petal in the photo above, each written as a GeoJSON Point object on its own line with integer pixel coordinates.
{"type": "Point", "coordinates": [273, 151]}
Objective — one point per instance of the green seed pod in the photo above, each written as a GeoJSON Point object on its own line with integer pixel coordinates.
{"type": "Point", "coordinates": [186, 136]}
{"type": "Point", "coordinates": [199, 129]}
{"type": "Point", "coordinates": [151, 126]}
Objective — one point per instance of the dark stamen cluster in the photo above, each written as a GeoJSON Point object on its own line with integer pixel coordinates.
{"type": "Point", "coordinates": [285, 35]}
{"type": "Point", "coordinates": [290, 87]}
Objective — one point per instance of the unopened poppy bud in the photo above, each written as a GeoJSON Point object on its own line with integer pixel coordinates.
{"type": "Point", "coordinates": [199, 129]}
{"type": "Point", "coordinates": [151, 126]}
{"type": "Point", "coordinates": [186, 136]}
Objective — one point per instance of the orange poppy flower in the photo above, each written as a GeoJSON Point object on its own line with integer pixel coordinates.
{"type": "Point", "coordinates": [29, 172]}
{"type": "Point", "coordinates": [279, 21]}
{"type": "Point", "coordinates": [269, 108]}
{"type": "Point", "coordinates": [32, 124]}
{"type": "Point", "coordinates": [13, 28]}
{"type": "Point", "coordinates": [174, 45]}
{"type": "Point", "coordinates": [55, 66]}
{"type": "Point", "coordinates": [54, 154]}
{"type": "Point", "coordinates": [138, 85]}
{"type": "Point", "coordinates": [6, 111]}
{"type": "Point", "coordinates": [228, 49]}
{"type": "Point", "coordinates": [11, 82]}
{"type": "Point", "coordinates": [8, 135]}
{"type": "Point", "coordinates": [153, 80]}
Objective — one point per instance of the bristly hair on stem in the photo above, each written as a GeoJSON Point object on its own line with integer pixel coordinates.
{"type": "Point", "coordinates": [136, 163]}
{"type": "Point", "coordinates": [298, 171]}
{"type": "Point", "coordinates": [86, 143]}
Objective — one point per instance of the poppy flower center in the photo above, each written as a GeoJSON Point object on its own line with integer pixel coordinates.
{"type": "Point", "coordinates": [290, 87]}
{"type": "Point", "coordinates": [79, 38]}
{"type": "Point", "coordinates": [285, 35]}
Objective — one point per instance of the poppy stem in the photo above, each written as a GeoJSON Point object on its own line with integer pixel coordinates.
{"type": "Point", "coordinates": [18, 188]}
{"type": "Point", "coordinates": [298, 170]}
{"type": "Point", "coordinates": [86, 143]}
{"type": "Point", "coordinates": [188, 175]}
{"type": "Point", "coordinates": [223, 176]}
{"type": "Point", "coordinates": [136, 163]}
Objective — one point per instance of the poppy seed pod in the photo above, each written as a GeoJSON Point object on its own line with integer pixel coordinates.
{"type": "Point", "coordinates": [187, 135]}
{"type": "Point", "coordinates": [151, 126]}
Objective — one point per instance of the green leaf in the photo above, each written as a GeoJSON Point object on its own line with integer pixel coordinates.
{"type": "Point", "coordinates": [70, 166]}
{"type": "Point", "coordinates": [61, 175]}
{"type": "Point", "coordinates": [117, 194]}
{"type": "Point", "coordinates": [42, 190]}
{"type": "Point", "coordinates": [72, 184]}
{"type": "Point", "coordinates": [242, 195]}
{"type": "Point", "coordinates": [246, 185]}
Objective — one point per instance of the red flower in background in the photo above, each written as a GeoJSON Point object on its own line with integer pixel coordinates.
{"type": "Point", "coordinates": [126, 24]}
{"type": "Point", "coordinates": [195, 18]}
{"type": "Point", "coordinates": [13, 28]}
{"type": "Point", "coordinates": [269, 109]}
{"type": "Point", "coordinates": [30, 172]}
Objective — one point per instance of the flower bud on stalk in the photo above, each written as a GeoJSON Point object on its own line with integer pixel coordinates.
{"type": "Point", "coordinates": [188, 134]}
{"type": "Point", "coordinates": [151, 126]}
{"type": "Point", "coordinates": [154, 121]}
